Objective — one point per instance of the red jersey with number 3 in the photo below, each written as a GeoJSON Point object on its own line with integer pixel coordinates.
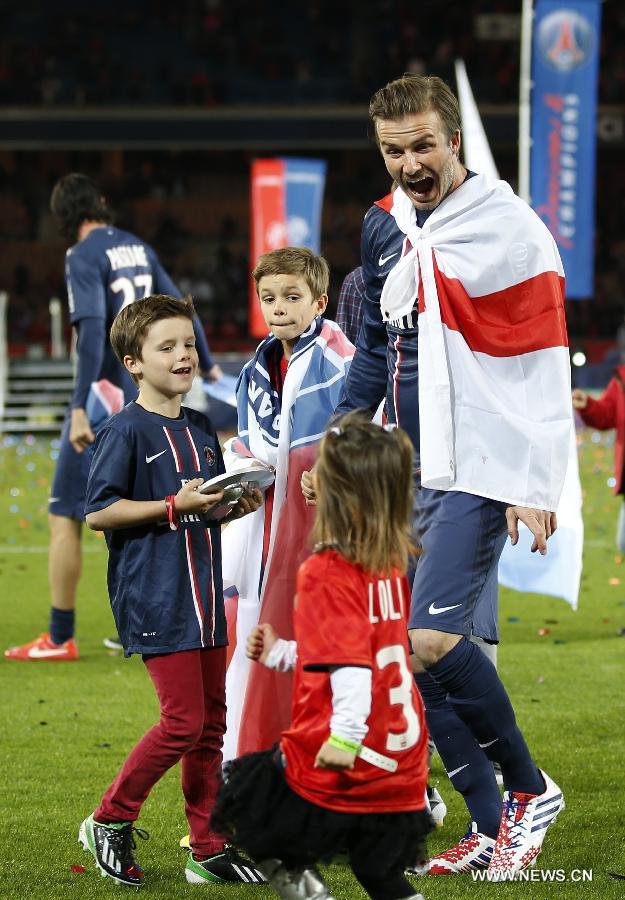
{"type": "Point", "coordinates": [347, 617]}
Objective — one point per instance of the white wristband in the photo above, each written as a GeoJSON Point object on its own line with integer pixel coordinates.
{"type": "Point", "coordinates": [282, 656]}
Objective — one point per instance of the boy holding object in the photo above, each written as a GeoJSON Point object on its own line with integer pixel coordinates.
{"type": "Point", "coordinates": [164, 579]}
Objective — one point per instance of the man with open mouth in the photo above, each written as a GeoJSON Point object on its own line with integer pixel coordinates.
{"type": "Point", "coordinates": [464, 335]}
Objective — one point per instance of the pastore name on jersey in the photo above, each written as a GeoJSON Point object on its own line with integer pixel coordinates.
{"type": "Point", "coordinates": [127, 256]}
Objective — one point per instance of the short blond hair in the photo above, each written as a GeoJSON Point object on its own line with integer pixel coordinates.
{"type": "Point", "coordinates": [295, 261]}
{"type": "Point", "coordinates": [364, 497]}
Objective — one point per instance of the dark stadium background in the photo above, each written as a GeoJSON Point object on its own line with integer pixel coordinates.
{"type": "Point", "coordinates": [166, 105]}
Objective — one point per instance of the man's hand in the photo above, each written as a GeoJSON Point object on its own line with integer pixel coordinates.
{"type": "Point", "coordinates": [307, 484]}
{"type": "Point", "coordinates": [249, 502]}
{"type": "Point", "coordinates": [580, 399]}
{"type": "Point", "coordinates": [215, 373]}
{"type": "Point", "coordinates": [330, 757]}
{"type": "Point", "coordinates": [540, 522]}
{"type": "Point", "coordinates": [190, 500]}
{"type": "Point", "coordinates": [80, 433]}
{"type": "Point", "coordinates": [260, 640]}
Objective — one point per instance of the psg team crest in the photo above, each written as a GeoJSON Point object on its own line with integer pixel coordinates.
{"type": "Point", "coordinates": [209, 453]}
{"type": "Point", "coordinates": [566, 40]}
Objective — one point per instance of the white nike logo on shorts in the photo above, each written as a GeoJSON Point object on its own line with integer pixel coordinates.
{"type": "Point", "coordinates": [150, 459]}
{"type": "Point", "coordinates": [455, 771]}
{"type": "Point", "coordinates": [385, 259]}
{"type": "Point", "coordinates": [489, 744]}
{"type": "Point", "coordinates": [437, 610]}
{"type": "Point", "coordinates": [38, 653]}
{"type": "Point", "coordinates": [53, 499]}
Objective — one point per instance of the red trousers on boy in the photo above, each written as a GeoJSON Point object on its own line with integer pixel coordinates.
{"type": "Point", "coordinates": [191, 688]}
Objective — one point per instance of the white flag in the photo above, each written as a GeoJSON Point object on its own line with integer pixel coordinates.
{"type": "Point", "coordinates": [477, 155]}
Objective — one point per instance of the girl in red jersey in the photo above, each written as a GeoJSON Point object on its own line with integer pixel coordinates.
{"type": "Point", "coordinates": [350, 772]}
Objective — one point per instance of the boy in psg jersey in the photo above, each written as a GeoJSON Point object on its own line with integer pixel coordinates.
{"type": "Point", "coordinates": [351, 769]}
{"type": "Point", "coordinates": [164, 579]}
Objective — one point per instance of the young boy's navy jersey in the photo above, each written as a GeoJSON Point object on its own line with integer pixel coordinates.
{"type": "Point", "coordinates": [165, 586]}
{"type": "Point", "coordinates": [105, 271]}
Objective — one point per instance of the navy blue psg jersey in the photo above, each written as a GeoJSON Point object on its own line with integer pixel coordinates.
{"type": "Point", "coordinates": [105, 271]}
{"type": "Point", "coordinates": [165, 586]}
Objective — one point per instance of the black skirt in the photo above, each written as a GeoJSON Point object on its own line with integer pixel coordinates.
{"type": "Point", "coordinates": [258, 812]}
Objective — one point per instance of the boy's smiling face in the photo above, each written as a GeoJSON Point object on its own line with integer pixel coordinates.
{"type": "Point", "coordinates": [288, 307]}
{"type": "Point", "coordinates": [168, 361]}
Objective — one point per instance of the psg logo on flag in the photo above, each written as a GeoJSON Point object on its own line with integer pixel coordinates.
{"type": "Point", "coordinates": [566, 40]}
{"type": "Point", "coordinates": [209, 453]}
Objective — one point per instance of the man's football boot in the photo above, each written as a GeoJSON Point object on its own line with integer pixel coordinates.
{"type": "Point", "coordinates": [474, 851]}
{"type": "Point", "coordinates": [524, 822]}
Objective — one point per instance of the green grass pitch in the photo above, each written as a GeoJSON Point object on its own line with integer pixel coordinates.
{"type": "Point", "coordinates": [67, 727]}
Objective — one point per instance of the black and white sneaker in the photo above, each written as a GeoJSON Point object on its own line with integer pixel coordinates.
{"type": "Point", "coordinates": [302, 883]}
{"type": "Point", "coordinates": [225, 867]}
{"type": "Point", "coordinates": [111, 846]}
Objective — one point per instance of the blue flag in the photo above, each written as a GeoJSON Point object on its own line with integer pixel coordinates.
{"type": "Point", "coordinates": [287, 200]}
{"type": "Point", "coordinates": [305, 181]}
{"type": "Point", "coordinates": [565, 63]}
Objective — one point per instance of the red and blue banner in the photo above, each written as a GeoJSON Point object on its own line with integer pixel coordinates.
{"type": "Point", "coordinates": [565, 64]}
{"type": "Point", "coordinates": [287, 200]}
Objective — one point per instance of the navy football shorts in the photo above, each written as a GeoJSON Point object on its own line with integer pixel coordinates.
{"type": "Point", "coordinates": [69, 483]}
{"type": "Point", "coordinates": [455, 586]}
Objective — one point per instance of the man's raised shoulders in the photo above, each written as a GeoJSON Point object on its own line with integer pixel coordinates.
{"type": "Point", "coordinates": [385, 203]}
{"type": "Point", "coordinates": [380, 209]}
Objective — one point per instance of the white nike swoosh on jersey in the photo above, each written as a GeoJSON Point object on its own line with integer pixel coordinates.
{"type": "Point", "coordinates": [38, 653]}
{"type": "Point", "coordinates": [455, 771]}
{"type": "Point", "coordinates": [437, 610]}
{"type": "Point", "coordinates": [385, 259]}
{"type": "Point", "coordinates": [150, 459]}
{"type": "Point", "coordinates": [489, 744]}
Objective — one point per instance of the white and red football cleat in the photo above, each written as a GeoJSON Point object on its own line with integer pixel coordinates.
{"type": "Point", "coordinates": [474, 851]}
{"type": "Point", "coordinates": [524, 822]}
